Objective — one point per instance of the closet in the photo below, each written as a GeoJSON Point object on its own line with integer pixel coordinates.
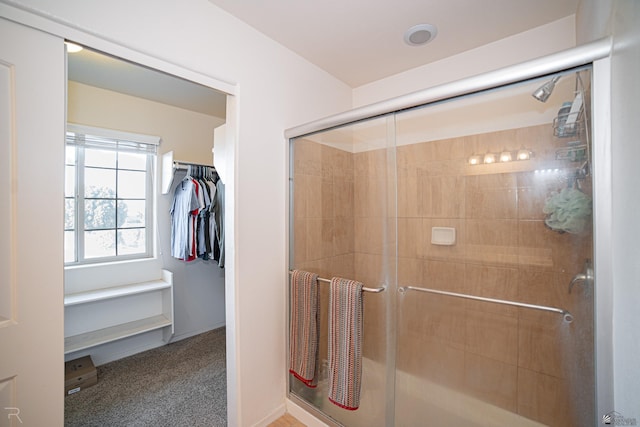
{"type": "Point", "coordinates": [116, 309]}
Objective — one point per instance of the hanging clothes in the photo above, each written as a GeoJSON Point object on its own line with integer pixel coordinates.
{"type": "Point", "coordinates": [197, 217]}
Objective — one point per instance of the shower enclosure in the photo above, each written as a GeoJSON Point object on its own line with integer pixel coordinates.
{"type": "Point", "coordinates": [475, 215]}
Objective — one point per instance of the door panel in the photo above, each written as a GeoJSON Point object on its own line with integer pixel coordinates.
{"type": "Point", "coordinates": [494, 224]}
{"type": "Point", "coordinates": [31, 189]}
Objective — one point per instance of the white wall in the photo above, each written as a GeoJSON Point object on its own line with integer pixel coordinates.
{"type": "Point", "coordinates": [276, 89]}
{"type": "Point", "coordinates": [527, 45]}
{"type": "Point", "coordinates": [625, 135]}
{"type": "Point", "coordinates": [199, 285]}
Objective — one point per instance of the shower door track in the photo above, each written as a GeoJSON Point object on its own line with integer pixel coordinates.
{"type": "Point", "coordinates": [568, 317]}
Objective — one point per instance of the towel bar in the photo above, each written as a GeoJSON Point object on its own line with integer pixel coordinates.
{"type": "Point", "coordinates": [364, 288]}
{"type": "Point", "coordinates": [568, 317]}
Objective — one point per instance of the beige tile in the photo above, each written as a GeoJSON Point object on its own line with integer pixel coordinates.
{"type": "Point", "coordinates": [543, 343]}
{"type": "Point", "coordinates": [300, 194]}
{"type": "Point", "coordinates": [441, 196]}
{"type": "Point", "coordinates": [409, 198]}
{"type": "Point", "coordinates": [314, 197]}
{"type": "Point", "coordinates": [491, 381]}
{"type": "Point", "coordinates": [494, 181]}
{"type": "Point", "coordinates": [307, 157]}
{"type": "Point", "coordinates": [326, 196]}
{"type": "Point", "coordinates": [369, 269]}
{"type": "Point", "coordinates": [369, 235]}
{"type": "Point", "coordinates": [443, 275]}
{"type": "Point", "coordinates": [543, 398]}
{"type": "Point", "coordinates": [410, 237]}
{"type": "Point", "coordinates": [370, 197]}
{"type": "Point", "coordinates": [543, 287]}
{"type": "Point", "coordinates": [492, 335]}
{"type": "Point", "coordinates": [567, 251]}
{"type": "Point", "coordinates": [300, 241]}
{"type": "Point", "coordinates": [430, 359]}
{"type": "Point", "coordinates": [319, 238]}
{"type": "Point", "coordinates": [491, 282]}
{"type": "Point", "coordinates": [434, 317]}
{"type": "Point", "coordinates": [492, 241]}
{"type": "Point", "coordinates": [344, 232]}
{"type": "Point", "coordinates": [491, 203]}
{"type": "Point", "coordinates": [343, 198]}
{"type": "Point", "coordinates": [409, 271]}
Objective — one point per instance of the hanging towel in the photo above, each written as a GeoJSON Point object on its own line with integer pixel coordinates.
{"type": "Point", "coordinates": [305, 327]}
{"type": "Point", "coordinates": [345, 342]}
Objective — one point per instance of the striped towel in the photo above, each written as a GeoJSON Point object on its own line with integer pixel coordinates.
{"type": "Point", "coordinates": [345, 342]}
{"type": "Point", "coordinates": [304, 327]}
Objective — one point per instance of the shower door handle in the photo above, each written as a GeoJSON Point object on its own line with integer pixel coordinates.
{"type": "Point", "coordinates": [586, 277]}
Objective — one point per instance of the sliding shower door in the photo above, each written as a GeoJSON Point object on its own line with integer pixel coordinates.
{"type": "Point", "coordinates": [495, 302]}
{"type": "Point", "coordinates": [343, 220]}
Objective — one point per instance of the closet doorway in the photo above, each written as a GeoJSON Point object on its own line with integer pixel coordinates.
{"type": "Point", "coordinates": [115, 300]}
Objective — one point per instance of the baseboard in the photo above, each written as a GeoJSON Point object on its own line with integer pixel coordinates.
{"type": "Point", "coordinates": [274, 415]}
{"type": "Point", "coordinates": [196, 332]}
{"type": "Point", "coordinates": [302, 415]}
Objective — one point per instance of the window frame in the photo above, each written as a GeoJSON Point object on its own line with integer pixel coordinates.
{"type": "Point", "coordinates": [108, 136]}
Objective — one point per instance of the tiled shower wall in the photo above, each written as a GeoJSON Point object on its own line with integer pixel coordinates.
{"type": "Point", "coordinates": [524, 361]}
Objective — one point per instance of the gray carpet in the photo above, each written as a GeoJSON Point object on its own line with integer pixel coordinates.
{"type": "Point", "coordinates": [180, 384]}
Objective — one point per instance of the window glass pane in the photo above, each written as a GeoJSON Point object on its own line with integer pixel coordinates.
{"type": "Point", "coordinates": [69, 181]}
{"type": "Point", "coordinates": [131, 185]}
{"type": "Point", "coordinates": [70, 155]}
{"type": "Point", "coordinates": [131, 213]}
{"type": "Point", "coordinates": [100, 158]}
{"type": "Point", "coordinates": [99, 244]}
{"type": "Point", "coordinates": [99, 214]}
{"type": "Point", "coordinates": [132, 241]}
{"type": "Point", "coordinates": [69, 214]}
{"type": "Point", "coordinates": [69, 246]}
{"type": "Point", "coordinates": [132, 161]}
{"type": "Point", "coordinates": [99, 183]}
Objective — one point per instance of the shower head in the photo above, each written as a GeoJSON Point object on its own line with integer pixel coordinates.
{"type": "Point", "coordinates": [544, 91]}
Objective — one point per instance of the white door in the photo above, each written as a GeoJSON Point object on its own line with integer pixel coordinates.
{"type": "Point", "coordinates": [32, 117]}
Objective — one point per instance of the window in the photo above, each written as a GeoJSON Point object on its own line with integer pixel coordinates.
{"type": "Point", "coordinates": [108, 195]}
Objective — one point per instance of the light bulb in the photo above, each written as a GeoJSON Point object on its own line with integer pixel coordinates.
{"type": "Point", "coordinates": [524, 154]}
{"type": "Point", "coordinates": [489, 158]}
{"type": "Point", "coordinates": [475, 160]}
{"type": "Point", "coordinates": [505, 156]}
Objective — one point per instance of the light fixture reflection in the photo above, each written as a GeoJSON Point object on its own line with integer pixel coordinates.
{"type": "Point", "coordinates": [502, 157]}
{"type": "Point", "coordinates": [524, 154]}
{"type": "Point", "coordinates": [475, 160]}
{"type": "Point", "coordinates": [489, 158]}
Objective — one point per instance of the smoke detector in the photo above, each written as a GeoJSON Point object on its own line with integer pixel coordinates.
{"type": "Point", "coordinates": [420, 34]}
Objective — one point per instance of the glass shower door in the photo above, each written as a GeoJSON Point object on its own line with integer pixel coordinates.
{"type": "Point", "coordinates": [343, 224]}
{"type": "Point", "coordinates": [495, 309]}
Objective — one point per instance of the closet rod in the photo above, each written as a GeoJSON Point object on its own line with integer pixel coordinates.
{"type": "Point", "coordinates": [364, 288]}
{"type": "Point", "coordinates": [184, 165]}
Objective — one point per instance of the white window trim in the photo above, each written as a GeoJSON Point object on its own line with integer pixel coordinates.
{"type": "Point", "coordinates": [150, 227]}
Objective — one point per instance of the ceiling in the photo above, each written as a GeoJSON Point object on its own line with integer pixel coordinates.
{"type": "Point", "coordinates": [357, 41]}
{"type": "Point", "coordinates": [107, 72]}
{"type": "Point", "coordinates": [360, 41]}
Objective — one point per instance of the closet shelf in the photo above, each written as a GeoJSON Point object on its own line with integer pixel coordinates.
{"type": "Point", "coordinates": [104, 315]}
{"type": "Point", "coordinates": [115, 292]}
{"type": "Point", "coordinates": [113, 333]}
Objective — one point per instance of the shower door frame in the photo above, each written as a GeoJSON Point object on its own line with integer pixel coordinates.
{"type": "Point", "coordinates": [596, 53]}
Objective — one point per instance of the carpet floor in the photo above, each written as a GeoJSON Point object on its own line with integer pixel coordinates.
{"type": "Point", "coordinates": [180, 384]}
